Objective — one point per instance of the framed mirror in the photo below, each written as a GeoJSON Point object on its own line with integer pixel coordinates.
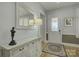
{"type": "Point", "coordinates": [23, 16]}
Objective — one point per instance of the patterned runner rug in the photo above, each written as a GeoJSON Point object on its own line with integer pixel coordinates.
{"type": "Point", "coordinates": [55, 49]}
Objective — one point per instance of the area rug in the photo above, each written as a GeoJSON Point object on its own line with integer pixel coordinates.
{"type": "Point", "coordinates": [55, 49]}
{"type": "Point", "coordinates": [72, 51]}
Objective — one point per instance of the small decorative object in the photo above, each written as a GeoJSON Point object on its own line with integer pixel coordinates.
{"type": "Point", "coordinates": [68, 21]}
{"type": "Point", "coordinates": [12, 36]}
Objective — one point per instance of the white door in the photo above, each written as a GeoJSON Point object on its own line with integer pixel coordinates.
{"type": "Point", "coordinates": [54, 30]}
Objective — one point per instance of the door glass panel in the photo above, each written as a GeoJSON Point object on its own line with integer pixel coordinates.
{"type": "Point", "coordinates": [54, 24]}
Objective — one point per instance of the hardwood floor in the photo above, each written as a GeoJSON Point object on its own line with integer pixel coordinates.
{"type": "Point", "coordinates": [46, 54]}
{"type": "Point", "coordinates": [44, 49]}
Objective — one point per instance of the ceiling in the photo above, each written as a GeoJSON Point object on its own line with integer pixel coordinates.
{"type": "Point", "coordinates": [47, 6]}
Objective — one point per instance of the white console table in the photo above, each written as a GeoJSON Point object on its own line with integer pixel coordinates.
{"type": "Point", "coordinates": [26, 48]}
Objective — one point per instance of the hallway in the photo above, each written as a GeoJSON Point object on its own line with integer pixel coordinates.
{"type": "Point", "coordinates": [39, 29]}
{"type": "Point", "coordinates": [54, 50]}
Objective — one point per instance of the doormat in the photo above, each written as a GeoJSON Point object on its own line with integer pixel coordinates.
{"type": "Point", "coordinates": [56, 49]}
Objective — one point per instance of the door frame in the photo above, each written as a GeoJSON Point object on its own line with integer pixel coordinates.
{"type": "Point", "coordinates": [59, 26]}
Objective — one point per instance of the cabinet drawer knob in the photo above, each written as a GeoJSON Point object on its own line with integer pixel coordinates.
{"type": "Point", "coordinates": [21, 49]}
{"type": "Point", "coordinates": [32, 42]}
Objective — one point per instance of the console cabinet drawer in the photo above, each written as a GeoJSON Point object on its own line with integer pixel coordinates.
{"type": "Point", "coordinates": [30, 49]}
{"type": "Point", "coordinates": [17, 50]}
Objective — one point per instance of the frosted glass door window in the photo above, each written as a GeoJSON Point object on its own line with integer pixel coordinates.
{"type": "Point", "coordinates": [54, 24]}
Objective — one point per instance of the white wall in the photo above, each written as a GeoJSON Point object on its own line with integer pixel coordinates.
{"type": "Point", "coordinates": [7, 21]}
{"type": "Point", "coordinates": [77, 22]}
{"type": "Point", "coordinates": [69, 11]}
{"type": "Point", "coordinates": [62, 13]}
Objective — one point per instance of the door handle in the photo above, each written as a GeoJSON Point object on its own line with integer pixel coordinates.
{"type": "Point", "coordinates": [59, 30]}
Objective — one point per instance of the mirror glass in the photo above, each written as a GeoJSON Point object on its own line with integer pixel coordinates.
{"type": "Point", "coordinates": [23, 16]}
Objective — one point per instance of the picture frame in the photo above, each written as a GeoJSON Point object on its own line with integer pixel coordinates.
{"type": "Point", "coordinates": [68, 21]}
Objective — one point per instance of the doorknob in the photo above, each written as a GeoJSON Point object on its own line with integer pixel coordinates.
{"type": "Point", "coordinates": [59, 30]}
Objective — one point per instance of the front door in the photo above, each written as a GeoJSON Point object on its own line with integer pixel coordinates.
{"type": "Point", "coordinates": [54, 30]}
